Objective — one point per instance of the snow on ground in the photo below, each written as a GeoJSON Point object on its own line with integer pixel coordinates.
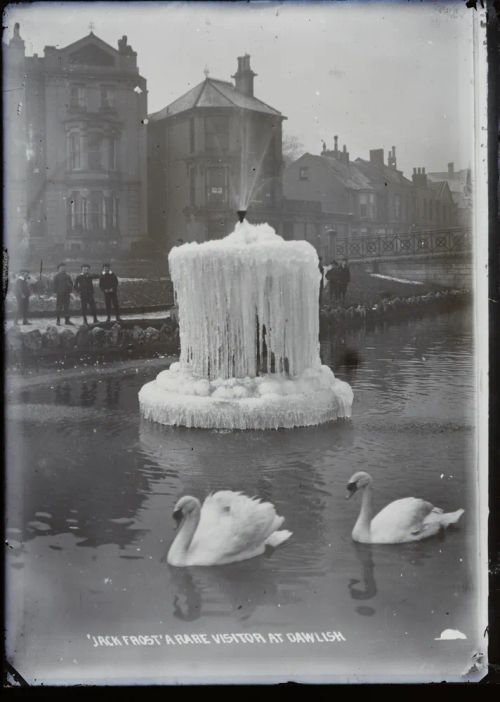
{"type": "Point", "coordinates": [396, 280]}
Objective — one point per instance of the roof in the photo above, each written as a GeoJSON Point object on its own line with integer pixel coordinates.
{"type": "Point", "coordinates": [351, 176]}
{"type": "Point", "coordinates": [381, 173]}
{"type": "Point", "coordinates": [458, 183]}
{"type": "Point", "coordinates": [213, 93]}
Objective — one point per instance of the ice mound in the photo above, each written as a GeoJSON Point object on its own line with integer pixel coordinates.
{"type": "Point", "coordinates": [177, 398]}
{"type": "Point", "coordinates": [249, 333]}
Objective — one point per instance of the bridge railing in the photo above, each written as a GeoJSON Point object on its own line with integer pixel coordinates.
{"type": "Point", "coordinates": [457, 240]}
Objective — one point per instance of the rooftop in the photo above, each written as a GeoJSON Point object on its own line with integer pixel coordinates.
{"type": "Point", "coordinates": [213, 93]}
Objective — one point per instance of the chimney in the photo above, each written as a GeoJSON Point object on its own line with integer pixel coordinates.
{"type": "Point", "coordinates": [391, 159]}
{"type": "Point", "coordinates": [419, 177]}
{"type": "Point", "coordinates": [451, 168]}
{"type": "Point", "coordinates": [335, 144]}
{"type": "Point", "coordinates": [377, 157]}
{"type": "Point", "coordinates": [243, 78]}
{"type": "Point", "coordinates": [345, 154]}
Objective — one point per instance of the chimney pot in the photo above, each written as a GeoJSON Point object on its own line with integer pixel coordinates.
{"type": "Point", "coordinates": [243, 78]}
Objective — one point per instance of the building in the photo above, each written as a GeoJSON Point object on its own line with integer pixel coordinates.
{"type": "Point", "coordinates": [213, 151]}
{"type": "Point", "coordinates": [364, 198]}
{"type": "Point", "coordinates": [460, 185]}
{"type": "Point", "coordinates": [79, 149]}
{"type": "Point", "coordinates": [433, 206]}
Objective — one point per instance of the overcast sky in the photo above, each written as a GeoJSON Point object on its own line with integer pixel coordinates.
{"type": "Point", "coordinates": [377, 74]}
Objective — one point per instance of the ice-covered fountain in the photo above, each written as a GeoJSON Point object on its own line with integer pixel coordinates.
{"type": "Point", "coordinates": [249, 333]}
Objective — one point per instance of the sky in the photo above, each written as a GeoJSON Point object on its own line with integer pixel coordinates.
{"type": "Point", "coordinates": [376, 74]}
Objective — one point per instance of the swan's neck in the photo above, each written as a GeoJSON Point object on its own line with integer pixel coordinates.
{"type": "Point", "coordinates": [362, 527]}
{"type": "Point", "coordinates": [180, 547]}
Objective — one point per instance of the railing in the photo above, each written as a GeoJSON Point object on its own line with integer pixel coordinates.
{"type": "Point", "coordinates": [424, 243]}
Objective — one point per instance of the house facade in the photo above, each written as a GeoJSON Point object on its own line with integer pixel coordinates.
{"type": "Point", "coordinates": [360, 199]}
{"type": "Point", "coordinates": [80, 149]}
{"type": "Point", "coordinates": [213, 151]}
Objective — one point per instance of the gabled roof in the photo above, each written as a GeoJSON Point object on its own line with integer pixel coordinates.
{"type": "Point", "coordinates": [439, 187]}
{"type": "Point", "coordinates": [381, 173]}
{"type": "Point", "coordinates": [213, 93]}
{"type": "Point", "coordinates": [89, 39]}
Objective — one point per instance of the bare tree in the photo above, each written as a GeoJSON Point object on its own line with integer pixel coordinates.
{"type": "Point", "coordinates": [292, 149]}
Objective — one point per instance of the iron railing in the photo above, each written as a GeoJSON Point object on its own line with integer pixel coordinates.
{"type": "Point", "coordinates": [433, 242]}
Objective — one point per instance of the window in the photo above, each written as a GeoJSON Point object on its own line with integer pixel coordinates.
{"type": "Point", "coordinates": [75, 154]}
{"type": "Point", "coordinates": [94, 152]}
{"type": "Point", "coordinates": [192, 186]}
{"type": "Point", "coordinates": [217, 190]}
{"type": "Point", "coordinates": [107, 97]}
{"type": "Point", "coordinates": [191, 135]}
{"type": "Point", "coordinates": [304, 174]}
{"type": "Point", "coordinates": [216, 133]}
{"type": "Point", "coordinates": [112, 149]}
{"type": "Point", "coordinates": [96, 210]}
{"type": "Point", "coordinates": [397, 207]}
{"type": "Point", "coordinates": [77, 211]}
{"type": "Point", "coordinates": [367, 205]}
{"type": "Point", "coordinates": [110, 212]}
{"type": "Point", "coordinates": [77, 96]}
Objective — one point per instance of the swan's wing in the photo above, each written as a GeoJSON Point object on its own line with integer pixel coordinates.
{"type": "Point", "coordinates": [232, 523]}
{"type": "Point", "coordinates": [401, 518]}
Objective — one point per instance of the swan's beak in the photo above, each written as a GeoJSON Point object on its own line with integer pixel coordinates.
{"type": "Point", "coordinates": [351, 489]}
{"type": "Point", "coordinates": [177, 515]}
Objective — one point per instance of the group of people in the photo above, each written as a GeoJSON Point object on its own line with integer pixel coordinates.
{"type": "Point", "coordinates": [338, 276]}
{"type": "Point", "coordinates": [63, 286]}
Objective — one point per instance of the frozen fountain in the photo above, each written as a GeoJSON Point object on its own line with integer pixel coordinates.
{"type": "Point", "coordinates": [249, 333]}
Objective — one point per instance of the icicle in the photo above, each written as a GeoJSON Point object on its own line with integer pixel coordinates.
{"type": "Point", "coordinates": [249, 333]}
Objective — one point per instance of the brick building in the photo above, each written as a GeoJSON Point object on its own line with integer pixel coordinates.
{"type": "Point", "coordinates": [76, 145]}
{"type": "Point", "coordinates": [210, 152]}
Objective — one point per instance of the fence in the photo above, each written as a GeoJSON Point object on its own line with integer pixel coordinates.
{"type": "Point", "coordinates": [424, 243]}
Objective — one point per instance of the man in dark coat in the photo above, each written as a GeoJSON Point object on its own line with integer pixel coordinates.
{"type": "Point", "coordinates": [321, 283]}
{"type": "Point", "coordinates": [84, 286]}
{"type": "Point", "coordinates": [333, 280]}
{"type": "Point", "coordinates": [22, 291]}
{"type": "Point", "coordinates": [344, 279]}
{"type": "Point", "coordinates": [108, 282]}
{"type": "Point", "coordinates": [63, 285]}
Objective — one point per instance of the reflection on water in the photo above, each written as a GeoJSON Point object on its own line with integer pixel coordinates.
{"type": "Point", "coordinates": [367, 588]}
{"type": "Point", "coordinates": [91, 488]}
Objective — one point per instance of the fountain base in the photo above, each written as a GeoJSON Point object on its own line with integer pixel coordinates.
{"type": "Point", "coordinates": [177, 398]}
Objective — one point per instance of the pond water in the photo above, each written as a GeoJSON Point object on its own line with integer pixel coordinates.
{"type": "Point", "coordinates": [90, 492]}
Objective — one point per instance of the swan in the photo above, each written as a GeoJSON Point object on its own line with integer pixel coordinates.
{"type": "Point", "coordinates": [229, 527]}
{"type": "Point", "coordinates": [407, 519]}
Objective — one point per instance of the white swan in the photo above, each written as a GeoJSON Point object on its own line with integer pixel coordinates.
{"type": "Point", "coordinates": [229, 527]}
{"type": "Point", "coordinates": [408, 519]}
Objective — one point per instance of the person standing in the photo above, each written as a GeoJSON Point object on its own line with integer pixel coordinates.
{"type": "Point", "coordinates": [333, 280]}
{"type": "Point", "coordinates": [84, 286]}
{"type": "Point", "coordinates": [63, 285]}
{"type": "Point", "coordinates": [108, 282]}
{"type": "Point", "coordinates": [22, 292]}
{"type": "Point", "coordinates": [344, 279]}
{"type": "Point", "coordinates": [321, 283]}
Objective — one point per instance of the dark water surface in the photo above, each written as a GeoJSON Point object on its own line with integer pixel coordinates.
{"type": "Point", "coordinates": [91, 487]}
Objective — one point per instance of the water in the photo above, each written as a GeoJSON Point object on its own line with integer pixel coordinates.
{"type": "Point", "coordinates": [91, 489]}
